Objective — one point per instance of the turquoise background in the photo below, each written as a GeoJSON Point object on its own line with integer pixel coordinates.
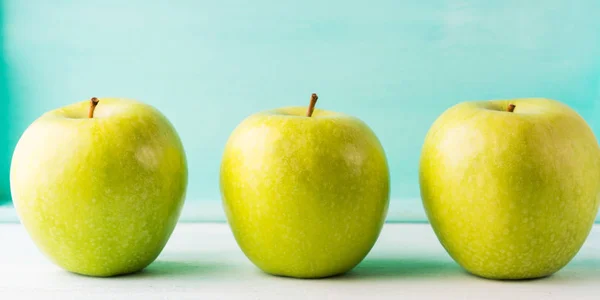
{"type": "Point", "coordinates": [208, 64]}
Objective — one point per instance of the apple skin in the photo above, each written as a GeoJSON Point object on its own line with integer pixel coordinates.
{"type": "Point", "coordinates": [100, 197]}
{"type": "Point", "coordinates": [305, 197]}
{"type": "Point", "coordinates": [511, 195]}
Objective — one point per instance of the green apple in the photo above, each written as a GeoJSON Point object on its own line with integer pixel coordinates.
{"type": "Point", "coordinates": [511, 187]}
{"type": "Point", "coordinates": [99, 188]}
{"type": "Point", "coordinates": [305, 194]}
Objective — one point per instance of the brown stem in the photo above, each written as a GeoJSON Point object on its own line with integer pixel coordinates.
{"type": "Point", "coordinates": [311, 107]}
{"type": "Point", "coordinates": [93, 102]}
{"type": "Point", "coordinates": [511, 108]}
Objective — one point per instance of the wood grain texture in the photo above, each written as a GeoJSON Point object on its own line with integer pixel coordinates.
{"type": "Point", "coordinates": [395, 64]}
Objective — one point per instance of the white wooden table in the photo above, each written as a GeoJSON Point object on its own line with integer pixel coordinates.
{"type": "Point", "coordinates": [202, 261]}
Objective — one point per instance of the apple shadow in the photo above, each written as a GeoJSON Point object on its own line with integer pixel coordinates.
{"type": "Point", "coordinates": [419, 268]}
{"type": "Point", "coordinates": [179, 269]}
{"type": "Point", "coordinates": [576, 272]}
{"type": "Point", "coordinates": [389, 268]}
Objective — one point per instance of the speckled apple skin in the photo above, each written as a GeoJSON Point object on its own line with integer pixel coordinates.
{"type": "Point", "coordinates": [511, 195]}
{"type": "Point", "coordinates": [101, 196]}
{"type": "Point", "coordinates": [304, 197]}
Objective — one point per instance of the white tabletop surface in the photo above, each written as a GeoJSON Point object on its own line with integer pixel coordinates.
{"type": "Point", "coordinates": [202, 261]}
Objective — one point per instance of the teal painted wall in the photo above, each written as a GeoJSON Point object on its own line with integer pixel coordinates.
{"type": "Point", "coordinates": [209, 64]}
{"type": "Point", "coordinates": [6, 144]}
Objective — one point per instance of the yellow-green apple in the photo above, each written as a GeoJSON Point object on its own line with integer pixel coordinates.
{"type": "Point", "coordinates": [511, 187]}
{"type": "Point", "coordinates": [99, 185]}
{"type": "Point", "coordinates": [305, 193]}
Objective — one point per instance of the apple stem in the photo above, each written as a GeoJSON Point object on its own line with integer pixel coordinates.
{"type": "Point", "coordinates": [511, 108]}
{"type": "Point", "coordinates": [93, 102]}
{"type": "Point", "coordinates": [311, 107]}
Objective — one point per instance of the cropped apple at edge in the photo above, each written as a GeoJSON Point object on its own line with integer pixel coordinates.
{"type": "Point", "coordinates": [511, 187]}
{"type": "Point", "coordinates": [99, 187]}
{"type": "Point", "coordinates": [305, 194]}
